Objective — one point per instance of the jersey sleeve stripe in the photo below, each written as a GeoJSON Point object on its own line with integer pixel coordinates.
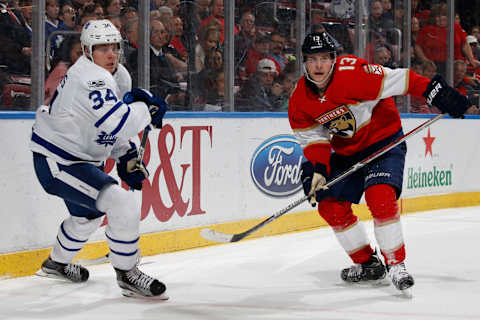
{"type": "Point", "coordinates": [108, 114]}
{"type": "Point", "coordinates": [122, 122]}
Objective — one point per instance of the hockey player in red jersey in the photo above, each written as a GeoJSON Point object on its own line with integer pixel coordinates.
{"type": "Point", "coordinates": [345, 104]}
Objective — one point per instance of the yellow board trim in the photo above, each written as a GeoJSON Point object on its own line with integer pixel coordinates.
{"type": "Point", "coordinates": [24, 263]}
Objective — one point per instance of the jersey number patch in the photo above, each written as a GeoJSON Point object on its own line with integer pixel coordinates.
{"type": "Point", "coordinates": [98, 100]}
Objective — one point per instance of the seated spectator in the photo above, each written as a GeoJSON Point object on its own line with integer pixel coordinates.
{"type": "Point", "coordinates": [69, 51]}
{"type": "Point", "coordinates": [179, 40]}
{"type": "Point", "coordinates": [383, 57]}
{"type": "Point", "coordinates": [16, 43]}
{"type": "Point", "coordinates": [130, 42]}
{"type": "Point", "coordinates": [209, 38]}
{"type": "Point", "coordinates": [465, 85]}
{"type": "Point", "coordinates": [276, 49]}
{"type": "Point", "coordinates": [164, 81]}
{"type": "Point", "coordinates": [257, 94]}
{"type": "Point", "coordinates": [245, 38]}
{"type": "Point", "coordinates": [376, 20]}
{"type": "Point", "coordinates": [429, 69]}
{"type": "Point", "coordinates": [67, 15]}
{"type": "Point", "coordinates": [112, 8]}
{"type": "Point", "coordinates": [213, 62]}
{"type": "Point", "coordinates": [257, 52]}
{"type": "Point", "coordinates": [432, 41]}
{"type": "Point", "coordinates": [284, 85]}
{"type": "Point", "coordinates": [214, 88]}
{"type": "Point", "coordinates": [216, 12]}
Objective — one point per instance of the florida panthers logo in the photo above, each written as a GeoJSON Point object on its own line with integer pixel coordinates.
{"type": "Point", "coordinates": [339, 122]}
{"type": "Point", "coordinates": [106, 139]}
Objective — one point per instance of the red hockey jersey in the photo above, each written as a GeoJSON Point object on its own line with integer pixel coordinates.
{"type": "Point", "coordinates": [355, 111]}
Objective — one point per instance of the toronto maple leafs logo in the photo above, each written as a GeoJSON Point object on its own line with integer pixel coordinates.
{"type": "Point", "coordinates": [106, 139]}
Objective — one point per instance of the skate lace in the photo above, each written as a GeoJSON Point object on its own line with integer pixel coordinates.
{"type": "Point", "coordinates": [398, 272]}
{"type": "Point", "coordinates": [139, 278]}
{"type": "Point", "coordinates": [72, 271]}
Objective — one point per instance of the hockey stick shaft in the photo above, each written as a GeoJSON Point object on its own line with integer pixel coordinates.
{"type": "Point", "coordinates": [215, 236]}
{"type": "Point", "coordinates": [143, 143]}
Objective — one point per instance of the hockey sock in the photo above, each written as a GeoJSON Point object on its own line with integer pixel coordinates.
{"type": "Point", "coordinates": [348, 229]}
{"type": "Point", "coordinates": [122, 230]}
{"type": "Point", "coordinates": [382, 202]}
{"type": "Point", "coordinates": [72, 236]}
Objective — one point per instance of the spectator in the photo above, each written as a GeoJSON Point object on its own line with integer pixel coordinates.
{"type": "Point", "coordinates": [112, 8]}
{"type": "Point", "coordinates": [16, 50]}
{"type": "Point", "coordinates": [209, 38]}
{"type": "Point", "coordinates": [166, 16]}
{"type": "Point", "coordinates": [429, 69]}
{"type": "Point", "coordinates": [173, 5]}
{"type": "Point", "coordinates": [277, 46]}
{"type": "Point", "coordinates": [213, 62]}
{"type": "Point", "coordinates": [216, 12]}
{"type": "Point", "coordinates": [376, 20]}
{"type": "Point", "coordinates": [178, 38]}
{"type": "Point", "coordinates": [163, 78]}
{"type": "Point", "coordinates": [464, 84]}
{"type": "Point", "coordinates": [130, 42]}
{"type": "Point", "coordinates": [382, 56]}
{"type": "Point", "coordinates": [432, 41]}
{"type": "Point", "coordinates": [476, 33]}
{"type": "Point", "coordinates": [387, 9]}
{"type": "Point", "coordinates": [258, 52]}
{"type": "Point", "coordinates": [257, 94]}
{"type": "Point", "coordinates": [128, 13]}
{"type": "Point", "coordinates": [68, 53]}
{"type": "Point", "coordinates": [244, 38]}
{"type": "Point", "coordinates": [67, 15]}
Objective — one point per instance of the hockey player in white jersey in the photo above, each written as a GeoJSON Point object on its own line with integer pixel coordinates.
{"type": "Point", "coordinates": [85, 123]}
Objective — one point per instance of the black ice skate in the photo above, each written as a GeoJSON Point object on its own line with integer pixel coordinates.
{"type": "Point", "coordinates": [373, 269]}
{"type": "Point", "coordinates": [63, 271]}
{"type": "Point", "coordinates": [135, 283]}
{"type": "Point", "coordinates": [401, 279]}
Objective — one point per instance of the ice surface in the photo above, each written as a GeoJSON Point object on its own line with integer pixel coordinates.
{"type": "Point", "coordinates": [293, 276]}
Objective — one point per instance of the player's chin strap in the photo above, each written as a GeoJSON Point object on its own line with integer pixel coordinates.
{"type": "Point", "coordinates": [320, 83]}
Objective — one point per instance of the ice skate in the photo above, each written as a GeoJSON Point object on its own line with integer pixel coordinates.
{"type": "Point", "coordinates": [63, 271]}
{"type": "Point", "coordinates": [400, 278]}
{"type": "Point", "coordinates": [373, 269]}
{"type": "Point", "coordinates": [135, 283]}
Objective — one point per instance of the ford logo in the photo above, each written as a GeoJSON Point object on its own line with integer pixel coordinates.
{"type": "Point", "coordinates": [275, 166]}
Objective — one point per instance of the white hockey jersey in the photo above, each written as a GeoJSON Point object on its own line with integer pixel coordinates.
{"type": "Point", "coordinates": [86, 120]}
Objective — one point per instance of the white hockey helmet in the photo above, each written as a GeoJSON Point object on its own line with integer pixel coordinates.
{"type": "Point", "coordinates": [96, 32]}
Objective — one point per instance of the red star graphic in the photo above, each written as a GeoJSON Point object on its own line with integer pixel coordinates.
{"type": "Point", "coordinates": [428, 143]}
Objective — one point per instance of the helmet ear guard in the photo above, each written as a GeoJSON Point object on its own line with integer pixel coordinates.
{"type": "Point", "coordinates": [97, 32]}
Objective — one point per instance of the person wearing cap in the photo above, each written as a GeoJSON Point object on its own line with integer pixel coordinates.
{"type": "Point", "coordinates": [257, 93]}
{"type": "Point", "coordinates": [257, 52]}
{"type": "Point", "coordinates": [342, 111]}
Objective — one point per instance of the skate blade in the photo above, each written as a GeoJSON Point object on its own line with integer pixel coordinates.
{"type": "Point", "coordinates": [51, 276]}
{"type": "Point", "coordinates": [131, 294]}
{"type": "Point", "coordinates": [407, 293]}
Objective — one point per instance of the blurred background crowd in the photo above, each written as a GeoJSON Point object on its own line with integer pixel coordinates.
{"type": "Point", "coordinates": [187, 56]}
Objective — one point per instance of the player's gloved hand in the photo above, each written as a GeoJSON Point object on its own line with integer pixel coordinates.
{"type": "Point", "coordinates": [129, 171]}
{"type": "Point", "coordinates": [313, 180]}
{"type": "Point", "coordinates": [446, 98]}
{"type": "Point", "coordinates": [156, 105]}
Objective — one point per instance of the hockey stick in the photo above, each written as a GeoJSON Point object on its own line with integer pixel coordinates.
{"type": "Point", "coordinates": [216, 236]}
{"type": "Point", "coordinates": [143, 143]}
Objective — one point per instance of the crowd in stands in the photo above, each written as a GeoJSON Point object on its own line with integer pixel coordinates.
{"type": "Point", "coordinates": [187, 40]}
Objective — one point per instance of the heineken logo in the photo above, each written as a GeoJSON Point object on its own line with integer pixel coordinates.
{"type": "Point", "coordinates": [434, 178]}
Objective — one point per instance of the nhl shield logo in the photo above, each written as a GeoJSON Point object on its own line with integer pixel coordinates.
{"type": "Point", "coordinates": [339, 121]}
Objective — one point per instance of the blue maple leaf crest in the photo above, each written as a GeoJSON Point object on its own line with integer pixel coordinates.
{"type": "Point", "coordinates": [106, 139]}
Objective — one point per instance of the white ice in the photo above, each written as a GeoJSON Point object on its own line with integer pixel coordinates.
{"type": "Point", "coordinates": [293, 276]}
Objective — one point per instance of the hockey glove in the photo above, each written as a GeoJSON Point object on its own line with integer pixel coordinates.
{"type": "Point", "coordinates": [156, 105]}
{"type": "Point", "coordinates": [313, 181]}
{"type": "Point", "coordinates": [446, 98]}
{"type": "Point", "coordinates": [129, 171]}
